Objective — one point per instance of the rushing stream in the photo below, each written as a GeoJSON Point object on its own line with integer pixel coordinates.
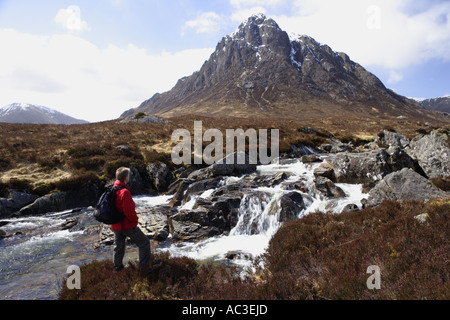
{"type": "Point", "coordinates": [34, 259]}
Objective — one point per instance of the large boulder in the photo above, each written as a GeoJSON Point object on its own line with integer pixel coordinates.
{"type": "Point", "coordinates": [432, 153]}
{"type": "Point", "coordinates": [291, 204]}
{"type": "Point", "coordinates": [386, 139]}
{"type": "Point", "coordinates": [86, 194]}
{"type": "Point", "coordinates": [49, 203]}
{"type": "Point", "coordinates": [223, 213]}
{"type": "Point", "coordinates": [403, 185]}
{"type": "Point", "coordinates": [15, 201]}
{"type": "Point", "coordinates": [160, 176]}
{"type": "Point", "coordinates": [325, 169]}
{"type": "Point", "coordinates": [328, 188]}
{"type": "Point", "coordinates": [190, 225]}
{"type": "Point", "coordinates": [137, 182]}
{"type": "Point", "coordinates": [198, 187]}
{"type": "Point", "coordinates": [154, 222]}
{"type": "Point", "coordinates": [178, 190]}
{"type": "Point", "coordinates": [256, 180]}
{"type": "Point", "coordinates": [363, 167]}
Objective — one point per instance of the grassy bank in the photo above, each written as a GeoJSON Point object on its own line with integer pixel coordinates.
{"type": "Point", "coordinates": [320, 256]}
{"type": "Point", "coordinates": [39, 155]}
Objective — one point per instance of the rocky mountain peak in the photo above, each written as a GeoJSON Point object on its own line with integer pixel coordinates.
{"type": "Point", "coordinates": [258, 70]}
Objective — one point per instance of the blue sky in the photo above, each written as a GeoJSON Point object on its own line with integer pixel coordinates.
{"type": "Point", "coordinates": [95, 59]}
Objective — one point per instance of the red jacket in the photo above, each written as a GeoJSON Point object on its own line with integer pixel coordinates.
{"type": "Point", "coordinates": [125, 204]}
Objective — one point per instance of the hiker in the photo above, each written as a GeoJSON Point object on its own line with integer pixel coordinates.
{"type": "Point", "coordinates": [128, 227]}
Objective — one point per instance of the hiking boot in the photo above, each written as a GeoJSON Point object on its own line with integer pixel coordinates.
{"type": "Point", "coordinates": [118, 269]}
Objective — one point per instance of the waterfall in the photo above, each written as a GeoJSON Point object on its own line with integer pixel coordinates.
{"type": "Point", "coordinates": [259, 214]}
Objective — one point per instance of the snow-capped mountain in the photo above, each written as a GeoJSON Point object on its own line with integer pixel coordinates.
{"type": "Point", "coordinates": [441, 104]}
{"type": "Point", "coordinates": [260, 71]}
{"type": "Point", "coordinates": [29, 113]}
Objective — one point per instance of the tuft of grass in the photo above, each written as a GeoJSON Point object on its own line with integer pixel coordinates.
{"type": "Point", "coordinates": [442, 183]}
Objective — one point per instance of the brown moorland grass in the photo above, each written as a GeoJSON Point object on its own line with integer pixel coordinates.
{"type": "Point", "coordinates": [92, 147]}
{"type": "Point", "coordinates": [320, 256]}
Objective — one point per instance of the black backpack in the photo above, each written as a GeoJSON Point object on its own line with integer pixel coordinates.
{"type": "Point", "coordinates": [106, 211]}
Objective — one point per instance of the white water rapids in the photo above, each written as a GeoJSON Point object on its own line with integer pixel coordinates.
{"type": "Point", "coordinates": [255, 210]}
{"type": "Point", "coordinates": [38, 253]}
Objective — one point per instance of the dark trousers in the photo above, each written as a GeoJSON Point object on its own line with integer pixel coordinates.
{"type": "Point", "coordinates": [139, 239]}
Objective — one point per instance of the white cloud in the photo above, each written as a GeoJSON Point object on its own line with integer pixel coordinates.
{"type": "Point", "coordinates": [207, 22]}
{"type": "Point", "coordinates": [72, 75]}
{"type": "Point", "coordinates": [243, 14]}
{"type": "Point", "coordinates": [394, 77]}
{"type": "Point", "coordinates": [385, 35]}
{"type": "Point", "coordinates": [252, 3]}
{"type": "Point", "coordinates": [70, 19]}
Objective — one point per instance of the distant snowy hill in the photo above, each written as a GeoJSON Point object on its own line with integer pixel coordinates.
{"type": "Point", "coordinates": [441, 104]}
{"type": "Point", "coordinates": [28, 113]}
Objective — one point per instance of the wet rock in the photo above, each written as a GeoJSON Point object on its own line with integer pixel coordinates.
{"type": "Point", "coordinates": [228, 189]}
{"type": "Point", "coordinates": [298, 185]}
{"type": "Point", "coordinates": [291, 204]}
{"type": "Point", "coordinates": [255, 180]}
{"type": "Point", "coordinates": [69, 224]}
{"type": "Point", "coordinates": [137, 182]}
{"type": "Point", "coordinates": [386, 139]}
{"type": "Point", "coordinates": [432, 153]}
{"type": "Point", "coordinates": [160, 176]}
{"type": "Point", "coordinates": [209, 217]}
{"type": "Point", "coordinates": [189, 225]}
{"type": "Point", "coordinates": [153, 221]}
{"type": "Point", "coordinates": [15, 201]}
{"type": "Point", "coordinates": [310, 158]}
{"type": "Point", "coordinates": [300, 151]}
{"type": "Point", "coordinates": [49, 203]}
{"type": "Point", "coordinates": [87, 195]}
{"type": "Point", "coordinates": [350, 208]}
{"type": "Point", "coordinates": [2, 234]}
{"type": "Point", "coordinates": [180, 186]}
{"type": "Point", "coordinates": [223, 213]}
{"type": "Point", "coordinates": [201, 186]}
{"type": "Point", "coordinates": [328, 188]}
{"type": "Point", "coordinates": [283, 162]}
{"type": "Point", "coordinates": [325, 169]}
{"type": "Point", "coordinates": [3, 223]}
{"type": "Point", "coordinates": [237, 254]}
{"type": "Point", "coordinates": [403, 185]}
